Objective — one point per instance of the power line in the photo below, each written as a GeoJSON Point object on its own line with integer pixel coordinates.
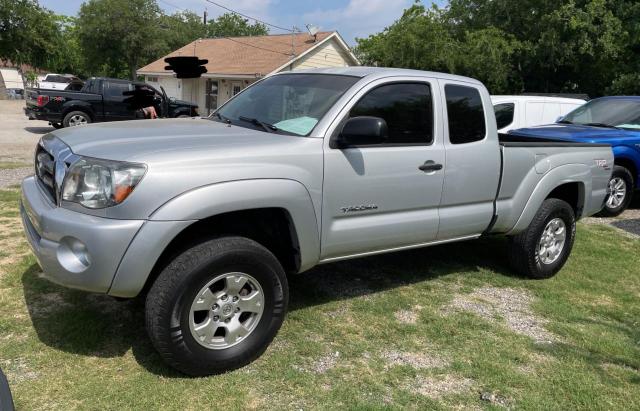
{"type": "Point", "coordinates": [251, 18]}
{"type": "Point", "coordinates": [172, 5]}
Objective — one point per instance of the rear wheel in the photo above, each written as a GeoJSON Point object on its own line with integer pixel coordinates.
{"type": "Point", "coordinates": [542, 249]}
{"type": "Point", "coordinates": [619, 193]}
{"type": "Point", "coordinates": [76, 118]}
{"type": "Point", "coordinates": [217, 306]}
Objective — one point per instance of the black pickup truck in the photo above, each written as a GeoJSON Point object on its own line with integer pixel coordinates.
{"type": "Point", "coordinates": [102, 99]}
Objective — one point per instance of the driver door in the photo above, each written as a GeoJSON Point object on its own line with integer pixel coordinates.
{"type": "Point", "coordinates": [376, 197]}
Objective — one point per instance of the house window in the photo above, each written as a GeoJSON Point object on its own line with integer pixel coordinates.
{"type": "Point", "coordinates": [152, 79]}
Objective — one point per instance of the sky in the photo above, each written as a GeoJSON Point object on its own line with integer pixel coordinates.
{"type": "Point", "coordinates": [352, 18]}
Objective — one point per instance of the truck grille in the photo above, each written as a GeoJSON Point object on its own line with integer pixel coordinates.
{"type": "Point", "coordinates": [45, 171]}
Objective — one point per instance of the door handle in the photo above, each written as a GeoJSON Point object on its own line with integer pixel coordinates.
{"type": "Point", "coordinates": [430, 166]}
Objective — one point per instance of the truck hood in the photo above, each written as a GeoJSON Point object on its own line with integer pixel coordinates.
{"type": "Point", "coordinates": [577, 133]}
{"type": "Point", "coordinates": [140, 140]}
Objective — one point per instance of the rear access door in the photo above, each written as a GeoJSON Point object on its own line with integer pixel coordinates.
{"type": "Point", "coordinates": [376, 197]}
{"type": "Point", "coordinates": [473, 162]}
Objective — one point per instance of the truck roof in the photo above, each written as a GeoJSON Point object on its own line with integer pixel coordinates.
{"type": "Point", "coordinates": [379, 72]}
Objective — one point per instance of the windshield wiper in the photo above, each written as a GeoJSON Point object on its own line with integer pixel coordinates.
{"type": "Point", "coordinates": [221, 117]}
{"type": "Point", "coordinates": [564, 122]}
{"type": "Point", "coordinates": [602, 125]}
{"type": "Point", "coordinates": [269, 128]}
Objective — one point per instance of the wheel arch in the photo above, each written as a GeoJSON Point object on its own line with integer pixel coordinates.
{"type": "Point", "coordinates": [276, 213]}
{"type": "Point", "coordinates": [78, 106]}
{"type": "Point", "coordinates": [570, 182]}
{"type": "Point", "coordinates": [629, 164]}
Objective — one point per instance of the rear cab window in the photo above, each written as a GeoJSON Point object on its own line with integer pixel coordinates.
{"type": "Point", "coordinates": [465, 114]}
{"type": "Point", "coordinates": [504, 114]}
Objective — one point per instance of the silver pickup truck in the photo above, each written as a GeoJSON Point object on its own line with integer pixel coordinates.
{"type": "Point", "coordinates": [206, 217]}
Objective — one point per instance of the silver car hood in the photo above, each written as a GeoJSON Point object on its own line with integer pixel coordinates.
{"type": "Point", "coordinates": [146, 140]}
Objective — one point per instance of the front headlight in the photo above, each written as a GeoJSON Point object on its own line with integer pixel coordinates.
{"type": "Point", "coordinates": [96, 183]}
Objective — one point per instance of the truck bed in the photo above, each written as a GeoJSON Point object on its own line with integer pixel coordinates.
{"type": "Point", "coordinates": [528, 165]}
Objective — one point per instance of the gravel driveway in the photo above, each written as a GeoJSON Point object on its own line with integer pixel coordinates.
{"type": "Point", "coordinates": [19, 135]}
{"type": "Point", "coordinates": [18, 138]}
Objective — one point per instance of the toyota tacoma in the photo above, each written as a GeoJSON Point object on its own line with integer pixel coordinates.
{"type": "Point", "coordinates": [206, 217]}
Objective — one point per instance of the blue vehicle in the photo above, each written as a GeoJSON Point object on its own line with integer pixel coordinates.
{"type": "Point", "coordinates": [609, 120]}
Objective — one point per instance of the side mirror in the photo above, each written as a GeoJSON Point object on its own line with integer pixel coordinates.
{"type": "Point", "coordinates": [363, 130]}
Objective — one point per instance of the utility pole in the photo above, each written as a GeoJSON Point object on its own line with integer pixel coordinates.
{"type": "Point", "coordinates": [205, 17]}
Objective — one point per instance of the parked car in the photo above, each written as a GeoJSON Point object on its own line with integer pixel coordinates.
{"type": "Point", "coordinates": [54, 81]}
{"type": "Point", "coordinates": [608, 120]}
{"type": "Point", "coordinates": [15, 93]}
{"type": "Point", "coordinates": [102, 99]}
{"type": "Point", "coordinates": [207, 216]}
{"type": "Point", "coordinates": [513, 112]}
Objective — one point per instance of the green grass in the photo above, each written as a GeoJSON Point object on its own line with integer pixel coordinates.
{"type": "Point", "coordinates": [64, 349]}
{"type": "Point", "coordinates": [6, 165]}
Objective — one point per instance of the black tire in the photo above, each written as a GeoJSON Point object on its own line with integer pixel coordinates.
{"type": "Point", "coordinates": [610, 210]}
{"type": "Point", "coordinates": [523, 247]}
{"type": "Point", "coordinates": [6, 401]}
{"type": "Point", "coordinates": [57, 125]}
{"type": "Point", "coordinates": [75, 116]}
{"type": "Point", "coordinates": [169, 301]}
{"type": "Point", "coordinates": [182, 116]}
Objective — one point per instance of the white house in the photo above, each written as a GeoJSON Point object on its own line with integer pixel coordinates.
{"type": "Point", "coordinates": [236, 62]}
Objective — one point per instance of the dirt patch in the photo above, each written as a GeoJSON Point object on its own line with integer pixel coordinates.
{"type": "Point", "coordinates": [18, 370]}
{"type": "Point", "coordinates": [495, 398]}
{"type": "Point", "coordinates": [415, 360]}
{"type": "Point", "coordinates": [440, 386]}
{"type": "Point", "coordinates": [508, 304]}
{"type": "Point", "coordinates": [13, 176]}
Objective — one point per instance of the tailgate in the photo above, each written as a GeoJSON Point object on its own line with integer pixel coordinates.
{"type": "Point", "coordinates": [31, 97]}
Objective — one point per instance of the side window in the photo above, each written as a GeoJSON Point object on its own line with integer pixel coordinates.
{"type": "Point", "coordinates": [115, 90]}
{"type": "Point", "coordinates": [504, 114]}
{"type": "Point", "coordinates": [466, 114]}
{"type": "Point", "coordinates": [406, 107]}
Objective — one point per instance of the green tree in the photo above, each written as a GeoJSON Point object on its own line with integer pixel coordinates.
{"type": "Point", "coordinates": [587, 46]}
{"type": "Point", "coordinates": [118, 36]}
{"type": "Point", "coordinates": [181, 28]}
{"type": "Point", "coordinates": [28, 33]}
{"type": "Point", "coordinates": [233, 25]}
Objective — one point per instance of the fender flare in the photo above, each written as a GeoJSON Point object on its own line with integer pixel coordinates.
{"type": "Point", "coordinates": [76, 105]}
{"type": "Point", "coordinates": [220, 198]}
{"type": "Point", "coordinates": [568, 173]}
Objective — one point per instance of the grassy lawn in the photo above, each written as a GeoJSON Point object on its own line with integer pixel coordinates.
{"type": "Point", "coordinates": [444, 327]}
{"type": "Point", "coordinates": [8, 165]}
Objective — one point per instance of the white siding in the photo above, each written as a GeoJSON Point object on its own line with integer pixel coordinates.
{"type": "Point", "coordinates": [12, 79]}
{"type": "Point", "coordinates": [330, 54]}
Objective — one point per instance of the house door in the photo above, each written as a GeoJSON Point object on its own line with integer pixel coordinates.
{"type": "Point", "coordinates": [211, 96]}
{"type": "Point", "coordinates": [236, 87]}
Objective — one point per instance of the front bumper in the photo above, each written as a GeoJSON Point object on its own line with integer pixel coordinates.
{"type": "Point", "coordinates": [74, 250]}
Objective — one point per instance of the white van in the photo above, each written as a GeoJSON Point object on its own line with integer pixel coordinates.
{"type": "Point", "coordinates": [513, 112]}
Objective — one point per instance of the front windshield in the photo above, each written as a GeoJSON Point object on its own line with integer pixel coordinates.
{"type": "Point", "coordinates": [287, 103]}
{"type": "Point", "coordinates": [608, 112]}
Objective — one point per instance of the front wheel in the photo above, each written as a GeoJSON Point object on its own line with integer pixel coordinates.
{"type": "Point", "coordinates": [542, 249]}
{"type": "Point", "coordinates": [217, 306]}
{"type": "Point", "coordinates": [619, 193]}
